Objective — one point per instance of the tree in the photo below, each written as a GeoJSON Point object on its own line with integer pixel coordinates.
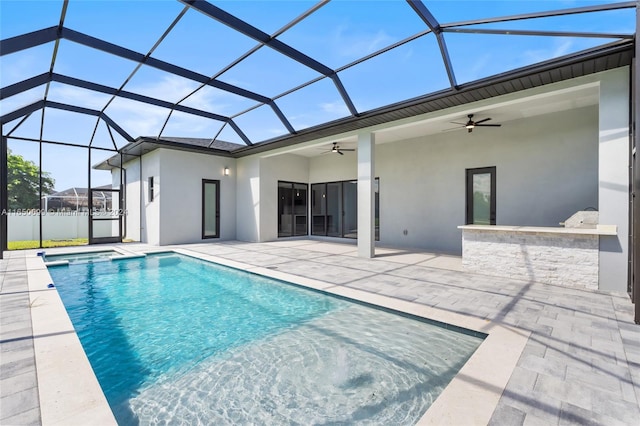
{"type": "Point", "coordinates": [23, 183]}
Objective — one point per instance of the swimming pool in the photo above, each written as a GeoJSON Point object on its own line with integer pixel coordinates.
{"type": "Point", "coordinates": [176, 339]}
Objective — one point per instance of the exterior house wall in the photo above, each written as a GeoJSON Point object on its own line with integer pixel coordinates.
{"type": "Point", "coordinates": [546, 170]}
{"type": "Point", "coordinates": [248, 199]}
{"type": "Point", "coordinates": [133, 199]}
{"type": "Point", "coordinates": [613, 172]}
{"type": "Point", "coordinates": [150, 210]}
{"type": "Point", "coordinates": [181, 195]}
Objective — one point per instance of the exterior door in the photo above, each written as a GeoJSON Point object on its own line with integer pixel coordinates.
{"type": "Point", "coordinates": [481, 196]}
{"type": "Point", "coordinates": [210, 208]}
{"type": "Point", "coordinates": [105, 216]}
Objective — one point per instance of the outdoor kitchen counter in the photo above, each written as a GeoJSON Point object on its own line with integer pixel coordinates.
{"type": "Point", "coordinates": [600, 230]}
{"type": "Point", "coordinates": [553, 255]}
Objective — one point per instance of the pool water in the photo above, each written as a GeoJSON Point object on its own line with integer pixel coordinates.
{"type": "Point", "coordinates": [82, 257]}
{"type": "Point", "coordinates": [178, 340]}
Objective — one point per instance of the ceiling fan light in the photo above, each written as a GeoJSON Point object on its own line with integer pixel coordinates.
{"type": "Point", "coordinates": [469, 126]}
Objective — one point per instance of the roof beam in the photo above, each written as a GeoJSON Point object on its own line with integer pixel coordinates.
{"type": "Point", "coordinates": [122, 52]}
{"type": "Point", "coordinates": [548, 14]}
{"type": "Point", "coordinates": [282, 117]}
{"type": "Point", "coordinates": [24, 85]}
{"type": "Point", "coordinates": [87, 111]}
{"type": "Point", "coordinates": [242, 27]}
{"type": "Point", "coordinates": [537, 33]}
{"type": "Point", "coordinates": [112, 124]}
{"type": "Point", "coordinates": [21, 112]}
{"type": "Point", "coordinates": [26, 41]}
{"type": "Point", "coordinates": [239, 25]}
{"type": "Point", "coordinates": [423, 12]}
{"type": "Point", "coordinates": [240, 133]}
{"type": "Point", "coordinates": [134, 96]}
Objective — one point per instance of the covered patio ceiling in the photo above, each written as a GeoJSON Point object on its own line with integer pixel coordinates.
{"type": "Point", "coordinates": [263, 75]}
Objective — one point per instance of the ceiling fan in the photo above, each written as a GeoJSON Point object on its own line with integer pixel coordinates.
{"type": "Point", "coordinates": [336, 149]}
{"type": "Point", "coordinates": [470, 125]}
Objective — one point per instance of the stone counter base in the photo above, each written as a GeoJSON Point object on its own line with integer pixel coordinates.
{"type": "Point", "coordinates": [569, 260]}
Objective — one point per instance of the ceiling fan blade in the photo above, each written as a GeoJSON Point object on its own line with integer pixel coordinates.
{"type": "Point", "coordinates": [488, 125]}
{"type": "Point", "coordinates": [346, 149]}
{"type": "Point", "coordinates": [482, 121]}
{"type": "Point", "coordinates": [340, 152]}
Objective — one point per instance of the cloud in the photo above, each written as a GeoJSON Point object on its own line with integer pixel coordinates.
{"type": "Point", "coordinates": [352, 45]}
{"type": "Point", "coordinates": [76, 96]}
{"type": "Point", "coordinates": [559, 48]}
{"type": "Point", "coordinates": [335, 108]}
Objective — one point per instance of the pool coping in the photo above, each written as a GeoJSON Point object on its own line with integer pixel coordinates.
{"type": "Point", "coordinates": [70, 393]}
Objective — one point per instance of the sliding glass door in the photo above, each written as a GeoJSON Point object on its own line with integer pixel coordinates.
{"type": "Point", "coordinates": [292, 209]}
{"type": "Point", "coordinates": [334, 209]}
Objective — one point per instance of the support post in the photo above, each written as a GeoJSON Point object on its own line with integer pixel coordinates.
{"type": "Point", "coordinates": [366, 196]}
{"type": "Point", "coordinates": [635, 167]}
{"type": "Point", "coordinates": [4, 194]}
{"type": "Point", "coordinates": [613, 178]}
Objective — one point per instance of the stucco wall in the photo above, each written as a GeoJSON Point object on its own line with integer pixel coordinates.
{"type": "Point", "coordinates": [546, 170]}
{"type": "Point", "coordinates": [180, 192]}
{"type": "Point", "coordinates": [248, 199]}
{"type": "Point", "coordinates": [132, 199]}
{"type": "Point", "coordinates": [150, 217]}
{"type": "Point", "coordinates": [614, 177]}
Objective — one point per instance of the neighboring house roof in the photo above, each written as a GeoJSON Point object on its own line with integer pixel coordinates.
{"type": "Point", "coordinates": [76, 191]}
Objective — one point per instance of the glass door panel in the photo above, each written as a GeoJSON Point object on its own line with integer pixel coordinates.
{"type": "Point", "coordinates": [285, 209]}
{"type": "Point", "coordinates": [481, 203]}
{"type": "Point", "coordinates": [210, 208]}
{"type": "Point", "coordinates": [299, 209]}
{"type": "Point", "coordinates": [334, 209]}
{"type": "Point", "coordinates": [350, 197]}
{"type": "Point", "coordinates": [318, 209]}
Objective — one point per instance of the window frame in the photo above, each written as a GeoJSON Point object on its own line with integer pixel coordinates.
{"type": "Point", "coordinates": [469, 193]}
{"type": "Point", "coordinates": [206, 182]}
{"type": "Point", "coordinates": [341, 233]}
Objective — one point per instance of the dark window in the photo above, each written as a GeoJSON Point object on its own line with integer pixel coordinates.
{"type": "Point", "coordinates": [210, 208]}
{"type": "Point", "coordinates": [481, 196]}
{"type": "Point", "coordinates": [150, 188]}
{"type": "Point", "coordinates": [292, 209]}
{"type": "Point", "coordinates": [334, 209]}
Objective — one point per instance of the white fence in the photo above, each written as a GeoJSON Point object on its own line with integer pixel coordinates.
{"type": "Point", "coordinates": [58, 226]}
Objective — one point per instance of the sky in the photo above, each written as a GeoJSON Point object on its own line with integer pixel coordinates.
{"type": "Point", "coordinates": [336, 35]}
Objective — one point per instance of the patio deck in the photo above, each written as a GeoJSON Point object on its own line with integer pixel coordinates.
{"type": "Point", "coordinates": [581, 364]}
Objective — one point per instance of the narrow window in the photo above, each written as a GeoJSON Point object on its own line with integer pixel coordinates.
{"type": "Point", "coordinates": [481, 196]}
{"type": "Point", "coordinates": [150, 188]}
{"type": "Point", "coordinates": [210, 208]}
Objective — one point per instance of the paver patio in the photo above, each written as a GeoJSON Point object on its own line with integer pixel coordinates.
{"type": "Point", "coordinates": [581, 364]}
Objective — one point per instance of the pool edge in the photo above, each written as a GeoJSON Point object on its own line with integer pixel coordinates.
{"type": "Point", "coordinates": [68, 389]}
